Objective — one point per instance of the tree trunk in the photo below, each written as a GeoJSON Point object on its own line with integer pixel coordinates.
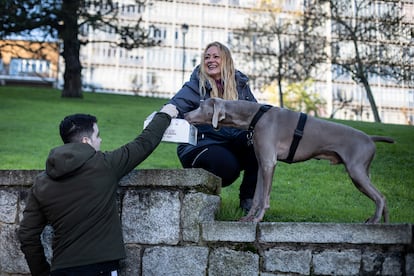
{"type": "Point", "coordinates": [279, 72]}
{"type": "Point", "coordinates": [362, 77]}
{"type": "Point", "coordinates": [371, 100]}
{"type": "Point", "coordinates": [72, 77]}
{"type": "Point", "coordinates": [279, 84]}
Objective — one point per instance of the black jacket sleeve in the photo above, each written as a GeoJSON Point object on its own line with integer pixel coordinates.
{"type": "Point", "coordinates": [29, 233]}
{"type": "Point", "coordinates": [127, 157]}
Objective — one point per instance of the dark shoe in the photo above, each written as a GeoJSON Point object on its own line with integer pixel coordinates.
{"type": "Point", "coordinates": [246, 204]}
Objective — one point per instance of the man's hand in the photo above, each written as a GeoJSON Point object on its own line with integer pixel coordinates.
{"type": "Point", "coordinates": [170, 109]}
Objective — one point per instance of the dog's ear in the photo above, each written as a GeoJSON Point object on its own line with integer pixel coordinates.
{"type": "Point", "coordinates": [218, 113]}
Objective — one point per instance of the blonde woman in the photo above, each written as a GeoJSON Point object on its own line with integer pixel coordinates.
{"type": "Point", "coordinates": [223, 152]}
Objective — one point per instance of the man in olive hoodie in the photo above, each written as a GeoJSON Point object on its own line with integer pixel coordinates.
{"type": "Point", "coordinates": [76, 195]}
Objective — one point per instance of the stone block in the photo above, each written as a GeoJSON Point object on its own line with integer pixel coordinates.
{"type": "Point", "coordinates": [372, 262]}
{"type": "Point", "coordinates": [8, 206]}
{"type": "Point", "coordinates": [229, 231]}
{"type": "Point", "coordinates": [289, 261]}
{"type": "Point", "coordinates": [175, 261]}
{"type": "Point", "coordinates": [22, 204]}
{"type": "Point", "coordinates": [227, 262]}
{"type": "Point", "coordinates": [409, 264]}
{"type": "Point", "coordinates": [12, 260]}
{"type": "Point", "coordinates": [151, 217]}
{"type": "Point", "coordinates": [346, 262]}
{"type": "Point", "coordinates": [196, 179]}
{"type": "Point", "coordinates": [336, 233]}
{"type": "Point", "coordinates": [47, 240]}
{"type": "Point", "coordinates": [18, 177]}
{"type": "Point", "coordinates": [197, 207]}
{"type": "Point", "coordinates": [393, 264]}
{"type": "Point", "coordinates": [132, 263]}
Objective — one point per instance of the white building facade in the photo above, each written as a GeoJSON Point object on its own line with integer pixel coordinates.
{"type": "Point", "coordinates": [185, 27]}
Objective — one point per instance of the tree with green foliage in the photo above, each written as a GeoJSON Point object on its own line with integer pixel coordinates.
{"type": "Point", "coordinates": [298, 96]}
{"type": "Point", "coordinates": [62, 21]}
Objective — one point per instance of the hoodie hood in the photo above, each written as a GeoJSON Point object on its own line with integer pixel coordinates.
{"type": "Point", "coordinates": [241, 79]}
{"type": "Point", "coordinates": [68, 158]}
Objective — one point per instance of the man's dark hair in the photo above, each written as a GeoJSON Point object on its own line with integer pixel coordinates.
{"type": "Point", "coordinates": [74, 127]}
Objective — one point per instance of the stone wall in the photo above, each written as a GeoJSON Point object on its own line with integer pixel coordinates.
{"type": "Point", "coordinates": [169, 229]}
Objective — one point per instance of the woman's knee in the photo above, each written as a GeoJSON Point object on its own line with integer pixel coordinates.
{"type": "Point", "coordinates": [226, 171]}
{"type": "Point", "coordinates": [220, 162]}
{"type": "Point", "coordinates": [228, 178]}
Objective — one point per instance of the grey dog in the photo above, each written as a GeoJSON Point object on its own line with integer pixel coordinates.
{"type": "Point", "coordinates": [274, 134]}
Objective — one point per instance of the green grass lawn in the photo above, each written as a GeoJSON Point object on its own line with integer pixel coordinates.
{"type": "Point", "coordinates": [312, 191]}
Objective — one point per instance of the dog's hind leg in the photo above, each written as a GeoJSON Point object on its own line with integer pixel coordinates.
{"type": "Point", "coordinates": [361, 180]}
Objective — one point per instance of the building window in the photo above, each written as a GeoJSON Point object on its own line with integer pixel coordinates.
{"type": "Point", "coordinates": [29, 67]}
{"type": "Point", "coordinates": [158, 33]}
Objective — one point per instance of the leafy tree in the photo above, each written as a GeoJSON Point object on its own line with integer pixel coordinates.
{"type": "Point", "coordinates": [298, 96]}
{"type": "Point", "coordinates": [63, 19]}
{"type": "Point", "coordinates": [284, 46]}
{"type": "Point", "coordinates": [371, 38]}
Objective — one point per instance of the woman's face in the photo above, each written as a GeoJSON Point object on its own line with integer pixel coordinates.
{"type": "Point", "coordinates": [212, 62]}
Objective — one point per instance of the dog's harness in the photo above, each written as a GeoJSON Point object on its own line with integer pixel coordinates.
{"type": "Point", "coordinates": [262, 110]}
{"type": "Point", "coordinates": [297, 135]}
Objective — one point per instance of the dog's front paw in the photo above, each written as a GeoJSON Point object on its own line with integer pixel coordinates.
{"type": "Point", "coordinates": [372, 220]}
{"type": "Point", "coordinates": [250, 219]}
{"type": "Point", "coordinates": [247, 219]}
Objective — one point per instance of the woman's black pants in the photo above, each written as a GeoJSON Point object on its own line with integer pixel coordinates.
{"type": "Point", "coordinates": [227, 160]}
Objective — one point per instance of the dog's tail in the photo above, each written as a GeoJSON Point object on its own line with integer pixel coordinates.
{"type": "Point", "coordinates": [382, 139]}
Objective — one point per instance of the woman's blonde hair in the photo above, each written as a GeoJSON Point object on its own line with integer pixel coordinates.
{"type": "Point", "coordinates": [227, 74]}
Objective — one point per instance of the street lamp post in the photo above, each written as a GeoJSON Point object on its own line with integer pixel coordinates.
{"type": "Point", "coordinates": [184, 30]}
{"type": "Point", "coordinates": [194, 61]}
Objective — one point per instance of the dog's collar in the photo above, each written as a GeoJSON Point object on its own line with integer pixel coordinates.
{"type": "Point", "coordinates": [262, 110]}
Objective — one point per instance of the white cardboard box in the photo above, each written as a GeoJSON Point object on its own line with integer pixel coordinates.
{"type": "Point", "coordinates": [179, 131]}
